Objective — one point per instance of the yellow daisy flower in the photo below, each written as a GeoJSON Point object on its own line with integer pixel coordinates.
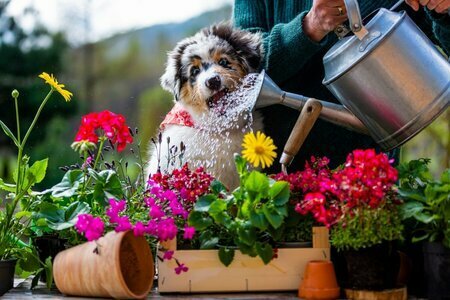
{"type": "Point", "coordinates": [51, 80]}
{"type": "Point", "coordinates": [258, 149]}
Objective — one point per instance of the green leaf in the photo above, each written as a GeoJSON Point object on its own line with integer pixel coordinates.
{"type": "Point", "coordinates": [217, 187]}
{"type": "Point", "coordinates": [241, 164]}
{"type": "Point", "coordinates": [247, 235]}
{"type": "Point", "coordinates": [22, 214]}
{"type": "Point", "coordinates": [445, 176]}
{"type": "Point", "coordinates": [199, 221]}
{"type": "Point", "coordinates": [48, 267]}
{"type": "Point", "coordinates": [411, 195]}
{"type": "Point", "coordinates": [68, 186]}
{"type": "Point", "coordinates": [107, 185]}
{"type": "Point", "coordinates": [36, 173]}
{"type": "Point", "coordinates": [60, 218]}
{"type": "Point", "coordinates": [425, 217]}
{"type": "Point", "coordinates": [7, 186]}
{"type": "Point", "coordinates": [226, 256]}
{"type": "Point", "coordinates": [257, 185]}
{"type": "Point", "coordinates": [207, 240]}
{"type": "Point", "coordinates": [258, 219]}
{"type": "Point", "coordinates": [410, 209]}
{"type": "Point", "coordinates": [264, 251]}
{"type": "Point", "coordinates": [246, 249]}
{"type": "Point", "coordinates": [217, 207]}
{"type": "Point", "coordinates": [280, 192]}
{"type": "Point", "coordinates": [36, 277]}
{"type": "Point", "coordinates": [204, 202]}
{"type": "Point", "coordinates": [420, 238]}
{"type": "Point", "coordinates": [9, 133]}
{"type": "Point", "coordinates": [272, 215]}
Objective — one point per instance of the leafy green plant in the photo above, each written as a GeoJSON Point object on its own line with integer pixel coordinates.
{"type": "Point", "coordinates": [426, 201]}
{"type": "Point", "coordinates": [15, 219]}
{"type": "Point", "coordinates": [250, 218]}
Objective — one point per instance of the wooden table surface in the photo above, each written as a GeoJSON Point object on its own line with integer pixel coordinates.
{"type": "Point", "coordinates": [22, 290]}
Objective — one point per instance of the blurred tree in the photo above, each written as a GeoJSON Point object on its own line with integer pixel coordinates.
{"type": "Point", "coordinates": [433, 142]}
{"type": "Point", "coordinates": [23, 56]}
{"type": "Point", "coordinates": [154, 104]}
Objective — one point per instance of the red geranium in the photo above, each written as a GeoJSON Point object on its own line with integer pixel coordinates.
{"type": "Point", "coordinates": [112, 126]}
{"type": "Point", "coordinates": [364, 181]}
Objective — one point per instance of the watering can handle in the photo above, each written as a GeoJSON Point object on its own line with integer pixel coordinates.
{"type": "Point", "coordinates": [308, 116]}
{"type": "Point", "coordinates": [354, 19]}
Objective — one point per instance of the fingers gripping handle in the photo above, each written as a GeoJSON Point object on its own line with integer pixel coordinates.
{"type": "Point", "coordinates": [308, 116]}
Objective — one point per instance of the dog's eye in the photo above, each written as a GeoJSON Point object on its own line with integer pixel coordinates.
{"type": "Point", "coordinates": [195, 71]}
{"type": "Point", "coordinates": [223, 62]}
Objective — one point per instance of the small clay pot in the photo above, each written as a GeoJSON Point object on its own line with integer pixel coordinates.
{"type": "Point", "coordinates": [118, 265]}
{"type": "Point", "coordinates": [319, 281]}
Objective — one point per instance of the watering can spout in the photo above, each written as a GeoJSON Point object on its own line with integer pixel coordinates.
{"type": "Point", "coordinates": [270, 94]}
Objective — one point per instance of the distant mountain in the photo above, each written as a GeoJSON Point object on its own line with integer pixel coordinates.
{"type": "Point", "coordinates": [173, 32]}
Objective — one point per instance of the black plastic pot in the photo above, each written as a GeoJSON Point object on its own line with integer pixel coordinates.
{"type": "Point", "coordinates": [374, 268]}
{"type": "Point", "coordinates": [437, 270]}
{"type": "Point", "coordinates": [7, 268]}
{"type": "Point", "coordinates": [48, 246]}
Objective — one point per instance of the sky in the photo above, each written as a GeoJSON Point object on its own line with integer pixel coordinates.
{"type": "Point", "coordinates": [103, 18]}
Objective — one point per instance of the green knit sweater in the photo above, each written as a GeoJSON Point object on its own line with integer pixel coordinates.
{"type": "Point", "coordinates": [294, 62]}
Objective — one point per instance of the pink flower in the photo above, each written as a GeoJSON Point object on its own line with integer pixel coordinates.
{"type": "Point", "coordinates": [123, 224]}
{"type": "Point", "coordinates": [91, 227]}
{"type": "Point", "coordinates": [189, 232]}
{"type": "Point", "coordinates": [181, 268]}
{"type": "Point", "coordinates": [139, 229]}
{"type": "Point", "coordinates": [168, 254]}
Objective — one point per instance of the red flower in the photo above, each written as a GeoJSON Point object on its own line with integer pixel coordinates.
{"type": "Point", "coordinates": [364, 181]}
{"type": "Point", "coordinates": [111, 125]}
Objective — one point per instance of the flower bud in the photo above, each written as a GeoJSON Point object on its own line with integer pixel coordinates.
{"type": "Point", "coordinates": [15, 94]}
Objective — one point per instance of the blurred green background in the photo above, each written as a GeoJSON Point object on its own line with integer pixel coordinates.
{"type": "Point", "coordinates": [119, 73]}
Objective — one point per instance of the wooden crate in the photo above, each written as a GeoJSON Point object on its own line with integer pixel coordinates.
{"type": "Point", "coordinates": [207, 274]}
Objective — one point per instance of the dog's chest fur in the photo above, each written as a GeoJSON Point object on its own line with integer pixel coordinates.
{"type": "Point", "coordinates": [212, 150]}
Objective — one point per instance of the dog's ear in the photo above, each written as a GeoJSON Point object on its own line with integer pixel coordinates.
{"type": "Point", "coordinates": [247, 45]}
{"type": "Point", "coordinates": [173, 78]}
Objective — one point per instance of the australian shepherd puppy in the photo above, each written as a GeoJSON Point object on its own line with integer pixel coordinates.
{"type": "Point", "coordinates": [202, 129]}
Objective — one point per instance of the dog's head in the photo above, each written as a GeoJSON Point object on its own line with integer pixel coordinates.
{"type": "Point", "coordinates": [203, 68]}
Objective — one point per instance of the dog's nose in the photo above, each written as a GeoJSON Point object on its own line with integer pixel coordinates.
{"type": "Point", "coordinates": [213, 83]}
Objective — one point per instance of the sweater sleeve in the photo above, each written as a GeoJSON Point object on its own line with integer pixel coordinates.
{"type": "Point", "coordinates": [286, 46]}
{"type": "Point", "coordinates": [441, 29]}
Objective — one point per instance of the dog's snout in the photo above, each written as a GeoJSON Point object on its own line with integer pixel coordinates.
{"type": "Point", "coordinates": [213, 83]}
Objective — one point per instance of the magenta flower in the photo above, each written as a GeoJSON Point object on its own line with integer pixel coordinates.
{"type": "Point", "coordinates": [91, 227]}
{"type": "Point", "coordinates": [168, 255]}
{"type": "Point", "coordinates": [181, 268]}
{"type": "Point", "coordinates": [139, 229]}
{"type": "Point", "coordinates": [189, 232]}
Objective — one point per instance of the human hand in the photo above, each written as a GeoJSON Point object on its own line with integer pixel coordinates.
{"type": "Point", "coordinates": [323, 17]}
{"type": "Point", "coordinates": [439, 6]}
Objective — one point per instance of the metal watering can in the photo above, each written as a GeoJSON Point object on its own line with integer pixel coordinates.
{"type": "Point", "coordinates": [390, 78]}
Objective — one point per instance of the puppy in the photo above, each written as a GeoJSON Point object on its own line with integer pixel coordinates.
{"type": "Point", "coordinates": [205, 124]}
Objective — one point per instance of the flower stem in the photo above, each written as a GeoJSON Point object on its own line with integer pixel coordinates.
{"type": "Point", "coordinates": [36, 118]}
{"type": "Point", "coordinates": [19, 191]}
{"type": "Point", "coordinates": [99, 153]}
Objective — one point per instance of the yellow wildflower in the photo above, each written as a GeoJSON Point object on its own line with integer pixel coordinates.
{"type": "Point", "coordinates": [51, 80]}
{"type": "Point", "coordinates": [258, 149]}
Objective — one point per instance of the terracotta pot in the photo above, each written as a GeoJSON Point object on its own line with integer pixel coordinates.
{"type": "Point", "coordinates": [319, 281]}
{"type": "Point", "coordinates": [7, 268]}
{"type": "Point", "coordinates": [118, 265]}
